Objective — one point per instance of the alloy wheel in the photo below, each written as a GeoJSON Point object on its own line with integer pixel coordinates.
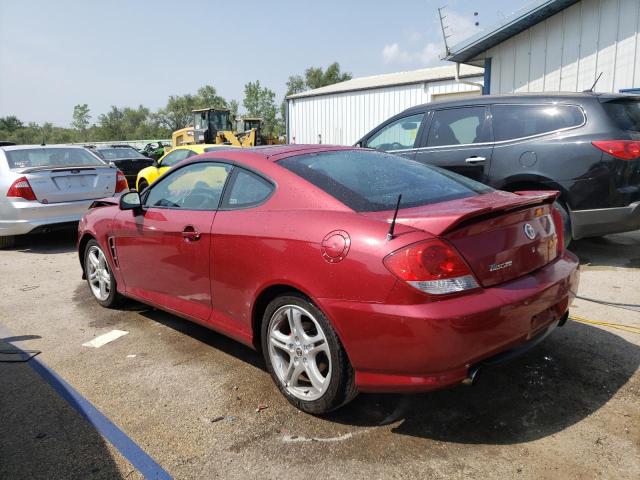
{"type": "Point", "coordinates": [98, 273]}
{"type": "Point", "coordinates": [299, 352]}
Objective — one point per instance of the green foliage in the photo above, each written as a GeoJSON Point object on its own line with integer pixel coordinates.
{"type": "Point", "coordinates": [177, 113]}
{"type": "Point", "coordinates": [314, 77]}
{"type": "Point", "coordinates": [81, 117]}
{"type": "Point", "coordinates": [261, 102]}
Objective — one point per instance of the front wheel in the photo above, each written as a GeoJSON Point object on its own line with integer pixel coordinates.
{"type": "Point", "coordinates": [101, 281]}
{"type": "Point", "coordinates": [305, 357]}
{"type": "Point", "coordinates": [142, 184]}
{"type": "Point", "coordinates": [7, 241]}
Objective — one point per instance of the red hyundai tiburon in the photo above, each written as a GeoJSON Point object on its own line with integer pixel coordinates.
{"type": "Point", "coordinates": [351, 269]}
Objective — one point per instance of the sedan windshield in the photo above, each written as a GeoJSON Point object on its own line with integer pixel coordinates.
{"type": "Point", "coordinates": [51, 157]}
{"type": "Point", "coordinates": [367, 180]}
{"type": "Point", "coordinates": [118, 153]}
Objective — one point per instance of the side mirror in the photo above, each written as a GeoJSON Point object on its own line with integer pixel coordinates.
{"type": "Point", "coordinates": [130, 201]}
{"type": "Point", "coordinates": [156, 163]}
{"type": "Point", "coordinates": [409, 126]}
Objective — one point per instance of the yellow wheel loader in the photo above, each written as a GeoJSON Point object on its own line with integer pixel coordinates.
{"type": "Point", "coordinates": [213, 125]}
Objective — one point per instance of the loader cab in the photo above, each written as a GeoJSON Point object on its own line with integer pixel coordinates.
{"type": "Point", "coordinates": [208, 122]}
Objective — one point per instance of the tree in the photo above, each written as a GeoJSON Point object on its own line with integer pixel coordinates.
{"type": "Point", "coordinates": [260, 102]}
{"type": "Point", "coordinates": [233, 108]}
{"type": "Point", "coordinates": [10, 124]}
{"type": "Point", "coordinates": [314, 77]}
{"type": "Point", "coordinates": [81, 117]}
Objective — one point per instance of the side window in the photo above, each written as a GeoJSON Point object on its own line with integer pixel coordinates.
{"type": "Point", "coordinates": [518, 121]}
{"type": "Point", "coordinates": [176, 156]}
{"type": "Point", "coordinates": [398, 135]}
{"type": "Point", "coordinates": [195, 187]}
{"type": "Point", "coordinates": [247, 190]}
{"type": "Point", "coordinates": [458, 126]}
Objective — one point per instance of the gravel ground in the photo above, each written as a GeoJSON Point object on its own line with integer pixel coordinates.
{"type": "Point", "coordinates": [570, 408]}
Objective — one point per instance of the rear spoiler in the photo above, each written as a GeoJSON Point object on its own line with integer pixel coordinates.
{"type": "Point", "coordinates": [104, 202]}
{"type": "Point", "coordinates": [528, 198]}
{"type": "Point", "coordinates": [60, 169]}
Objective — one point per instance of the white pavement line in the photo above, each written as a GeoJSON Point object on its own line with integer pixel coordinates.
{"type": "Point", "coordinates": [104, 339]}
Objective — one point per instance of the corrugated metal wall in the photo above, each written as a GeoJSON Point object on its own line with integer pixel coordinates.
{"type": "Point", "coordinates": [568, 50]}
{"type": "Point", "coordinates": [343, 118]}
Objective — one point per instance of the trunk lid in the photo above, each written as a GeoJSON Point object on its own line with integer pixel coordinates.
{"type": "Point", "coordinates": [68, 184]}
{"type": "Point", "coordinates": [501, 235]}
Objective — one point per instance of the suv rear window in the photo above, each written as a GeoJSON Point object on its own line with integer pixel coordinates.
{"type": "Point", "coordinates": [518, 121]}
{"type": "Point", "coordinates": [367, 181]}
{"type": "Point", "coordinates": [625, 113]}
{"type": "Point", "coordinates": [51, 157]}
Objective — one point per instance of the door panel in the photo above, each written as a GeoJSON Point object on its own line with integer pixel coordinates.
{"type": "Point", "coordinates": [460, 140]}
{"type": "Point", "coordinates": [162, 263]}
{"type": "Point", "coordinates": [164, 248]}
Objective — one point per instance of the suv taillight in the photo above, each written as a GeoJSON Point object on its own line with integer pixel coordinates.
{"type": "Point", "coordinates": [559, 225]}
{"type": "Point", "coordinates": [432, 267]}
{"type": "Point", "coordinates": [21, 189]}
{"type": "Point", "coordinates": [121, 182]}
{"type": "Point", "coordinates": [622, 149]}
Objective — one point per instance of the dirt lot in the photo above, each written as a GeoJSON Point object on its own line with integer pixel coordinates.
{"type": "Point", "coordinates": [568, 409]}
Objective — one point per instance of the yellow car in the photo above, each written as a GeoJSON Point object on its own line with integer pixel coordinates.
{"type": "Point", "coordinates": [148, 175]}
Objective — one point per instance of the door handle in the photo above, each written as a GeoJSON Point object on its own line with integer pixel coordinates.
{"type": "Point", "coordinates": [475, 160]}
{"type": "Point", "coordinates": [190, 233]}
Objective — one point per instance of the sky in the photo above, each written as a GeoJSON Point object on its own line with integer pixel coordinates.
{"type": "Point", "coordinates": [56, 54]}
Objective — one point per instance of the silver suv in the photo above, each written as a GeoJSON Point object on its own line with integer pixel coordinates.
{"type": "Point", "coordinates": [44, 187]}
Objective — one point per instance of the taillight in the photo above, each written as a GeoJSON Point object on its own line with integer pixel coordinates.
{"type": "Point", "coordinates": [559, 225]}
{"type": "Point", "coordinates": [622, 149]}
{"type": "Point", "coordinates": [21, 189]}
{"type": "Point", "coordinates": [432, 267]}
{"type": "Point", "coordinates": [121, 182]}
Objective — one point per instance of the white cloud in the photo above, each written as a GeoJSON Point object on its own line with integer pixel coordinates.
{"type": "Point", "coordinates": [459, 27]}
{"type": "Point", "coordinates": [393, 53]}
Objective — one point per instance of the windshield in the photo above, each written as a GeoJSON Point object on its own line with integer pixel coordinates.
{"type": "Point", "coordinates": [368, 181]}
{"type": "Point", "coordinates": [51, 157]}
{"type": "Point", "coordinates": [625, 113]}
{"type": "Point", "coordinates": [118, 153]}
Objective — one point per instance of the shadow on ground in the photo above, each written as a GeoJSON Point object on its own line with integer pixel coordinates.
{"type": "Point", "coordinates": [565, 379]}
{"type": "Point", "coordinates": [60, 241]}
{"type": "Point", "coordinates": [621, 250]}
{"type": "Point", "coordinates": [568, 377]}
{"type": "Point", "coordinates": [41, 436]}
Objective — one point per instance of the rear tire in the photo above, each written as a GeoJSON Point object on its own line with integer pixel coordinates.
{"type": "Point", "coordinates": [100, 279]}
{"type": "Point", "coordinates": [7, 242]}
{"type": "Point", "coordinates": [566, 222]}
{"type": "Point", "coordinates": [304, 356]}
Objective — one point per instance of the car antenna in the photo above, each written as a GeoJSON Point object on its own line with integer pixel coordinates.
{"type": "Point", "coordinates": [393, 221]}
{"type": "Point", "coordinates": [593, 86]}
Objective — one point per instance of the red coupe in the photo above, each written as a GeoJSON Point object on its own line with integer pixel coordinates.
{"type": "Point", "coordinates": [350, 269]}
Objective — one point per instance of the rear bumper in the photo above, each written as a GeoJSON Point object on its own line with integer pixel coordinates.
{"type": "Point", "coordinates": [21, 216]}
{"type": "Point", "coordinates": [604, 221]}
{"type": "Point", "coordinates": [409, 348]}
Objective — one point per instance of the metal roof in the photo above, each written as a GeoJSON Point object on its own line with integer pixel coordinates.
{"type": "Point", "coordinates": [531, 14]}
{"type": "Point", "coordinates": [392, 79]}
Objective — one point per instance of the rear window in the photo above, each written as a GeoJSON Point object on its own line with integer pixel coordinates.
{"type": "Point", "coordinates": [51, 157]}
{"type": "Point", "coordinates": [118, 153]}
{"type": "Point", "coordinates": [369, 181]}
{"type": "Point", "coordinates": [625, 113]}
{"type": "Point", "coordinates": [518, 121]}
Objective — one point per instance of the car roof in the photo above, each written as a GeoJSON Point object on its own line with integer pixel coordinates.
{"type": "Point", "coordinates": [31, 147]}
{"type": "Point", "coordinates": [572, 97]}
{"type": "Point", "coordinates": [275, 153]}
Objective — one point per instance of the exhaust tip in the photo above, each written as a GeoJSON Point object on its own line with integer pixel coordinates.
{"type": "Point", "coordinates": [472, 376]}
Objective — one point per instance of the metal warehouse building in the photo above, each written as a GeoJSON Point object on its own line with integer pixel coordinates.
{"type": "Point", "coordinates": [559, 45]}
{"type": "Point", "coordinates": [342, 113]}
